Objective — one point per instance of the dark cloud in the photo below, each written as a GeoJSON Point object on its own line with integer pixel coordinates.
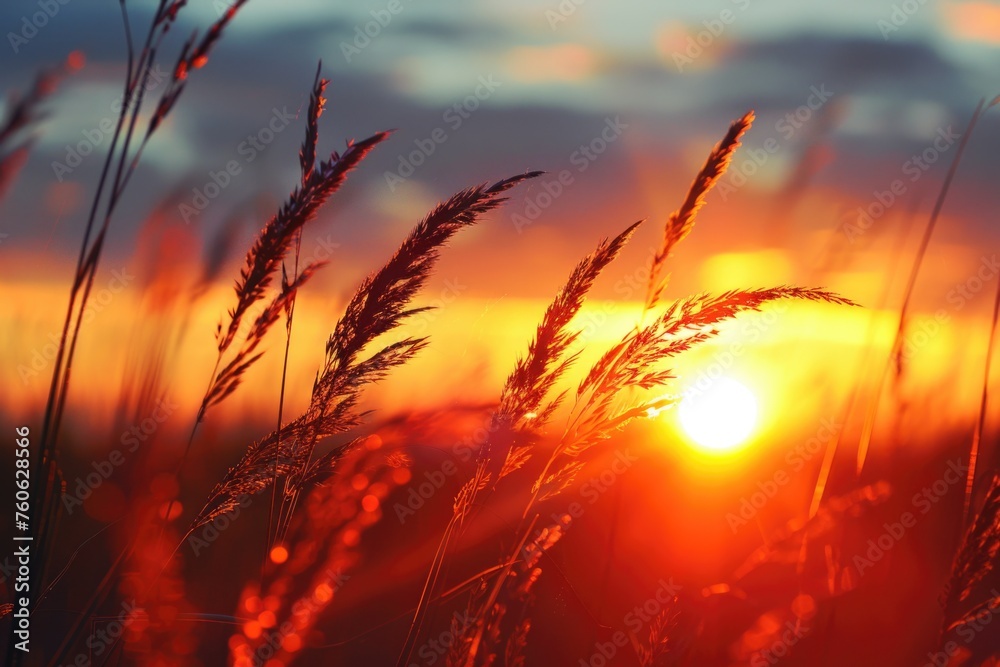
{"type": "Point", "coordinates": [255, 71]}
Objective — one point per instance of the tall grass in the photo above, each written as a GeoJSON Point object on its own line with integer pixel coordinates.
{"type": "Point", "coordinates": [550, 424]}
{"type": "Point", "coordinates": [24, 112]}
{"type": "Point", "coordinates": [127, 142]}
{"type": "Point", "coordinates": [601, 406]}
{"type": "Point", "coordinates": [381, 303]}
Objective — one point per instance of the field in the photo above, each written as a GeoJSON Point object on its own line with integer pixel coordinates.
{"type": "Point", "coordinates": [432, 336]}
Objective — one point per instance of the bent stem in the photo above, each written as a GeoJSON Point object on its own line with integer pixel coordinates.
{"type": "Point", "coordinates": [868, 429]}
{"type": "Point", "coordinates": [977, 435]}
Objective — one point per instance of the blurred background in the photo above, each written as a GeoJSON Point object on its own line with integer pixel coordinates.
{"type": "Point", "coordinates": [859, 108]}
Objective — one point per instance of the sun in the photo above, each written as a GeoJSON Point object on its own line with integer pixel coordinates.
{"type": "Point", "coordinates": [720, 417]}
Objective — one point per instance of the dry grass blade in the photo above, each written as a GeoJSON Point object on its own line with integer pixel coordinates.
{"type": "Point", "coordinates": [272, 245]}
{"type": "Point", "coordinates": [229, 376]}
{"type": "Point", "coordinates": [194, 55]}
{"type": "Point", "coordinates": [977, 435]}
{"type": "Point", "coordinates": [658, 645]}
{"type": "Point", "coordinates": [307, 162]}
{"type": "Point", "coordinates": [22, 113]}
{"type": "Point", "coordinates": [787, 546]}
{"type": "Point", "coordinates": [516, 458]}
{"type": "Point", "coordinates": [518, 641]}
{"type": "Point", "coordinates": [632, 362]}
{"type": "Point", "coordinates": [115, 175]}
{"type": "Point", "coordinates": [560, 480]}
{"type": "Point", "coordinates": [266, 257]}
{"type": "Point", "coordinates": [681, 221]}
{"type": "Point", "coordinates": [317, 104]}
{"type": "Point", "coordinates": [520, 405]}
{"type": "Point", "coordinates": [275, 239]}
{"type": "Point", "coordinates": [868, 428]}
{"type": "Point", "coordinates": [320, 556]}
{"type": "Point", "coordinates": [380, 304]}
{"type": "Point", "coordinates": [496, 616]}
{"type": "Point", "coordinates": [535, 374]}
{"type": "Point", "coordinates": [463, 499]}
{"type": "Point", "coordinates": [975, 575]}
{"type": "Point", "coordinates": [255, 471]}
{"type": "Point", "coordinates": [973, 619]}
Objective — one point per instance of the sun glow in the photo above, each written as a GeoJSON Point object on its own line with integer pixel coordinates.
{"type": "Point", "coordinates": [720, 417]}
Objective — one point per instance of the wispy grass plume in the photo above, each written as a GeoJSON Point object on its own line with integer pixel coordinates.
{"type": "Point", "coordinates": [868, 428]}
{"type": "Point", "coordinates": [120, 164]}
{"type": "Point", "coordinates": [520, 408]}
{"type": "Point", "coordinates": [984, 395]}
{"type": "Point", "coordinates": [381, 303]}
{"type": "Point", "coordinates": [266, 257]}
{"type": "Point", "coordinates": [681, 221]}
{"type": "Point", "coordinates": [975, 575]}
{"type": "Point", "coordinates": [24, 112]}
{"type": "Point", "coordinates": [635, 362]}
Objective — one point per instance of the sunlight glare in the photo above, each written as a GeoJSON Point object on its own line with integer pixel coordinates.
{"type": "Point", "coordinates": [721, 417]}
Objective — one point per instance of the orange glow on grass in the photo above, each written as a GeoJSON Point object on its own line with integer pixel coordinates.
{"type": "Point", "coordinates": [252, 629]}
{"type": "Point", "coordinates": [323, 593]}
{"type": "Point", "coordinates": [279, 554]}
{"type": "Point", "coordinates": [359, 482]}
{"type": "Point", "coordinates": [291, 643]}
{"type": "Point", "coordinates": [370, 503]}
{"type": "Point", "coordinates": [175, 508]}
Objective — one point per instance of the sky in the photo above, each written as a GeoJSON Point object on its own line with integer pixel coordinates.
{"type": "Point", "coordinates": [559, 71]}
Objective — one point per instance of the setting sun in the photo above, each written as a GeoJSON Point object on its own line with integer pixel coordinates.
{"type": "Point", "coordinates": [720, 417]}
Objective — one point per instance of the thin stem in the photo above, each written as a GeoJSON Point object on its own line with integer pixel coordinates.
{"type": "Point", "coordinates": [826, 467]}
{"type": "Point", "coordinates": [869, 426]}
{"type": "Point", "coordinates": [977, 435]}
{"type": "Point", "coordinates": [281, 403]}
